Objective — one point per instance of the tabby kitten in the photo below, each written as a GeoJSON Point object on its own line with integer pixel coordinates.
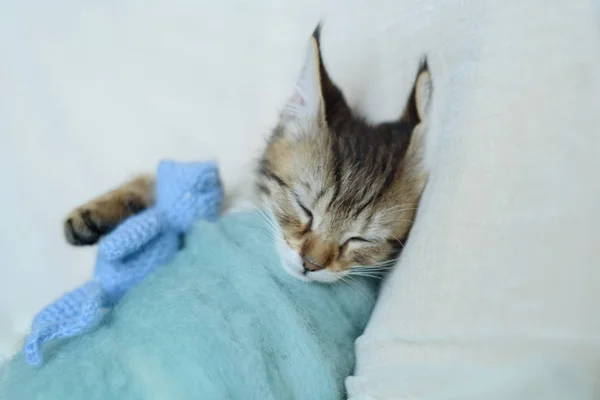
{"type": "Point", "coordinates": [343, 193]}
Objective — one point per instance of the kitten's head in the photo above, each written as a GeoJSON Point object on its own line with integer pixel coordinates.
{"type": "Point", "coordinates": [343, 193]}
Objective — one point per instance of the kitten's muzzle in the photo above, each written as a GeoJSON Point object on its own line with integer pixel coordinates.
{"type": "Point", "coordinates": [310, 265]}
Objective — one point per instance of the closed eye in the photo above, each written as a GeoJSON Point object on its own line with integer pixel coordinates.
{"type": "Point", "coordinates": [308, 214]}
{"type": "Point", "coordinates": [306, 210]}
{"type": "Point", "coordinates": [357, 239]}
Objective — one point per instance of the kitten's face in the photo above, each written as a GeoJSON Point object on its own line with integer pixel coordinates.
{"type": "Point", "coordinates": [343, 193]}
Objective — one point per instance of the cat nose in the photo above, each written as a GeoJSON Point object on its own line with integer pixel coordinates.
{"type": "Point", "coordinates": [310, 265]}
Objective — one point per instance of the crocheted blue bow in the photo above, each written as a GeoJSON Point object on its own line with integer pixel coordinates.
{"type": "Point", "coordinates": [184, 192]}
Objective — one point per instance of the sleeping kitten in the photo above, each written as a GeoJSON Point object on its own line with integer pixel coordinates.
{"type": "Point", "coordinates": [343, 192]}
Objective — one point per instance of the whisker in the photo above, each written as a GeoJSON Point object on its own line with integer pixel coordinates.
{"type": "Point", "coordinates": [268, 221]}
{"type": "Point", "coordinates": [398, 240]}
{"type": "Point", "coordinates": [356, 286]}
{"type": "Point", "coordinates": [405, 205]}
{"type": "Point", "coordinates": [400, 208]}
{"type": "Point", "coordinates": [269, 231]}
{"type": "Point", "coordinates": [386, 262]}
{"type": "Point", "coordinates": [374, 266]}
{"type": "Point", "coordinates": [346, 279]}
{"type": "Point", "coordinates": [266, 224]}
{"type": "Point", "coordinates": [385, 221]}
{"type": "Point", "coordinates": [391, 262]}
{"type": "Point", "coordinates": [371, 270]}
{"type": "Point", "coordinates": [395, 211]}
{"type": "Point", "coordinates": [365, 275]}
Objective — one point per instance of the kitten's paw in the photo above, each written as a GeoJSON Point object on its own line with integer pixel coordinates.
{"type": "Point", "coordinates": [88, 223]}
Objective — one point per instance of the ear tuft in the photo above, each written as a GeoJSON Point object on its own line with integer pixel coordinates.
{"type": "Point", "coordinates": [316, 99]}
{"type": "Point", "coordinates": [317, 34]}
{"type": "Point", "coordinates": [419, 98]}
{"type": "Point", "coordinates": [306, 101]}
{"type": "Point", "coordinates": [423, 93]}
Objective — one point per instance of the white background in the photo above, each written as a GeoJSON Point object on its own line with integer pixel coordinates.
{"type": "Point", "coordinates": [93, 92]}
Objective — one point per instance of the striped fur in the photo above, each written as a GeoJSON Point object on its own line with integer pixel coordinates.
{"type": "Point", "coordinates": [344, 193]}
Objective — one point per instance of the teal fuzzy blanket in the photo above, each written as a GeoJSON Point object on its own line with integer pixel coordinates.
{"type": "Point", "coordinates": [223, 320]}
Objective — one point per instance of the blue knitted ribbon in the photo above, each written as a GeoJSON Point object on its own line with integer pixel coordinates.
{"type": "Point", "coordinates": [185, 192]}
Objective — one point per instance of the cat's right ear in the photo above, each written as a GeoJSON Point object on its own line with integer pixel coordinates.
{"type": "Point", "coordinates": [305, 106]}
{"type": "Point", "coordinates": [423, 93]}
{"type": "Point", "coordinates": [419, 99]}
{"type": "Point", "coordinates": [316, 99]}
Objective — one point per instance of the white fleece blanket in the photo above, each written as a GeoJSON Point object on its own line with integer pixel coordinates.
{"type": "Point", "coordinates": [501, 268]}
{"type": "Point", "coordinates": [497, 293]}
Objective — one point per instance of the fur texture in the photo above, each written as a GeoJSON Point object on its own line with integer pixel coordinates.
{"type": "Point", "coordinates": [344, 192]}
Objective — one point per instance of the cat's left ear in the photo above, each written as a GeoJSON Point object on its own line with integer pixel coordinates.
{"type": "Point", "coordinates": [315, 96]}
{"type": "Point", "coordinates": [306, 103]}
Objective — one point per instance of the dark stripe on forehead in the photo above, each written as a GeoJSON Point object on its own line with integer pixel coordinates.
{"type": "Point", "coordinates": [336, 158]}
{"type": "Point", "coordinates": [373, 158]}
{"type": "Point", "coordinates": [367, 202]}
{"type": "Point", "coordinates": [389, 171]}
{"type": "Point", "coordinates": [359, 208]}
